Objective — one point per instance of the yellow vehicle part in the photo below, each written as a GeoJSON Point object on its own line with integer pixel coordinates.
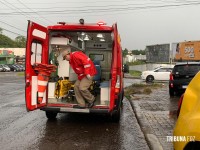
{"type": "Point", "coordinates": [62, 88]}
{"type": "Point", "coordinates": [188, 122]}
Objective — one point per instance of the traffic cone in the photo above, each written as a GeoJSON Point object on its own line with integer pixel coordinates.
{"type": "Point", "coordinates": [44, 71]}
{"type": "Point", "coordinates": [43, 78]}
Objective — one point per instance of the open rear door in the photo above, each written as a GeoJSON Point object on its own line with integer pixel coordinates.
{"type": "Point", "coordinates": [114, 67]}
{"type": "Point", "coordinates": [36, 52]}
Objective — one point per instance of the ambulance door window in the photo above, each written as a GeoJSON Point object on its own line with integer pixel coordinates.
{"type": "Point", "coordinates": [36, 53]}
{"type": "Point", "coordinates": [96, 57]}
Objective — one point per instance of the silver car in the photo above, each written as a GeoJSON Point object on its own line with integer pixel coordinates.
{"type": "Point", "coordinates": [1, 68]}
{"type": "Point", "coordinates": [5, 68]}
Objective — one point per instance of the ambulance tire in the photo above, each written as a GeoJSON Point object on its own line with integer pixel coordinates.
{"type": "Point", "coordinates": [115, 117]}
{"type": "Point", "coordinates": [171, 91]}
{"type": "Point", "coordinates": [51, 115]}
{"type": "Point", "coordinates": [122, 96]}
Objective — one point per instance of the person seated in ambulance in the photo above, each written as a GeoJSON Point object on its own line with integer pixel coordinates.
{"type": "Point", "coordinates": [85, 69]}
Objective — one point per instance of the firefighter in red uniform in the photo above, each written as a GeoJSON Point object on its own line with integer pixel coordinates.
{"type": "Point", "coordinates": [85, 69]}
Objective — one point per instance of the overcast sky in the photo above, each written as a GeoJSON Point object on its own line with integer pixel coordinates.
{"type": "Point", "coordinates": [140, 22]}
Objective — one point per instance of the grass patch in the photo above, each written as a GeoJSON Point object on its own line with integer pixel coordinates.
{"type": "Point", "coordinates": [147, 91]}
{"type": "Point", "coordinates": [138, 62]}
{"type": "Point", "coordinates": [154, 85]}
{"type": "Point", "coordinates": [140, 89]}
{"type": "Point", "coordinates": [135, 73]}
{"type": "Point", "coordinates": [20, 74]}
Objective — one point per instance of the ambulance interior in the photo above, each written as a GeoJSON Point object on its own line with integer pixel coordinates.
{"type": "Point", "coordinates": [98, 47]}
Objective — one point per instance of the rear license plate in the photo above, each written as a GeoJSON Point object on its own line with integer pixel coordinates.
{"type": "Point", "coordinates": [184, 86]}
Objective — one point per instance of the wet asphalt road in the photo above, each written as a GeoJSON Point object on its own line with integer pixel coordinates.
{"type": "Point", "coordinates": [21, 130]}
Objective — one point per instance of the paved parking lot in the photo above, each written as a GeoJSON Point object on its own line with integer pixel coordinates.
{"type": "Point", "coordinates": [155, 114]}
{"type": "Point", "coordinates": [22, 130]}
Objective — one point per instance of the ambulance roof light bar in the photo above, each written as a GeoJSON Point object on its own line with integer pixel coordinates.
{"type": "Point", "coordinates": [82, 22]}
{"type": "Point", "coordinates": [100, 23]}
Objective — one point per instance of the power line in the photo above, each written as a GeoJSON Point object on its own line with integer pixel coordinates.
{"type": "Point", "coordinates": [110, 13]}
{"type": "Point", "coordinates": [11, 31]}
{"type": "Point", "coordinates": [33, 11]}
{"type": "Point", "coordinates": [101, 10]}
{"type": "Point", "coordinates": [15, 8]}
{"type": "Point", "coordinates": [106, 9]}
{"type": "Point", "coordinates": [101, 1]}
{"type": "Point", "coordinates": [113, 5]}
{"type": "Point", "coordinates": [12, 26]}
{"type": "Point", "coordinates": [88, 6]}
{"type": "Point", "coordinates": [64, 2]}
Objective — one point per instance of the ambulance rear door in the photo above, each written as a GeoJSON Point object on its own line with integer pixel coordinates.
{"type": "Point", "coordinates": [36, 52]}
{"type": "Point", "coordinates": [114, 68]}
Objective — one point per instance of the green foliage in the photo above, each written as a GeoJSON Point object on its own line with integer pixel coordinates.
{"type": "Point", "coordinates": [125, 52]}
{"type": "Point", "coordinates": [135, 73]}
{"type": "Point", "coordinates": [20, 74]}
{"type": "Point", "coordinates": [147, 91]}
{"type": "Point", "coordinates": [137, 62]}
{"type": "Point", "coordinates": [6, 42]}
{"type": "Point", "coordinates": [1, 30]}
{"type": "Point", "coordinates": [140, 89]}
{"type": "Point", "coordinates": [133, 52]}
{"type": "Point", "coordinates": [20, 41]}
{"type": "Point", "coordinates": [138, 52]}
{"type": "Point", "coordinates": [138, 85]}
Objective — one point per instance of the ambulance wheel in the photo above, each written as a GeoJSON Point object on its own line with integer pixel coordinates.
{"type": "Point", "coordinates": [171, 91]}
{"type": "Point", "coordinates": [115, 117]}
{"type": "Point", "coordinates": [51, 115]}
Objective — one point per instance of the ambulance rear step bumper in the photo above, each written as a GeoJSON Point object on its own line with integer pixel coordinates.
{"type": "Point", "coordinates": [75, 110]}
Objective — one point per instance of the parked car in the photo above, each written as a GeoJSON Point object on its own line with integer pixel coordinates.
{"type": "Point", "coordinates": [160, 73]}
{"type": "Point", "coordinates": [5, 68]}
{"type": "Point", "coordinates": [19, 68]}
{"type": "Point", "coordinates": [181, 76]}
{"type": "Point", "coordinates": [22, 67]}
{"type": "Point", "coordinates": [126, 68]}
{"type": "Point", "coordinates": [13, 68]}
{"type": "Point", "coordinates": [187, 128]}
{"type": "Point", "coordinates": [1, 68]}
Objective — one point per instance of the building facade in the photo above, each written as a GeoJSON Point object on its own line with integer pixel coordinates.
{"type": "Point", "coordinates": [12, 55]}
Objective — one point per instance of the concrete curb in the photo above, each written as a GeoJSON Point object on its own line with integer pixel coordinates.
{"type": "Point", "coordinates": [154, 142]}
{"type": "Point", "coordinates": [139, 124]}
{"type": "Point", "coordinates": [151, 139]}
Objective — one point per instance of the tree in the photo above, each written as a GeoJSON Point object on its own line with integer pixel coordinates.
{"type": "Point", "coordinates": [125, 52]}
{"type": "Point", "coordinates": [1, 30]}
{"type": "Point", "coordinates": [6, 42]}
{"type": "Point", "coordinates": [20, 41]}
{"type": "Point", "coordinates": [138, 52]}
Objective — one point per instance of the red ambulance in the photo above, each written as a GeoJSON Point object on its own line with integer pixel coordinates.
{"type": "Point", "coordinates": [101, 43]}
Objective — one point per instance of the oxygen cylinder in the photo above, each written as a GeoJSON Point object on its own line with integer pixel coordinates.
{"type": "Point", "coordinates": [53, 60]}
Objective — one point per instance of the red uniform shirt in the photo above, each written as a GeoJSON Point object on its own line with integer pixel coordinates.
{"type": "Point", "coordinates": [82, 65]}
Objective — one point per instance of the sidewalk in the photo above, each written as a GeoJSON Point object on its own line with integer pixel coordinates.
{"type": "Point", "coordinates": [156, 116]}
